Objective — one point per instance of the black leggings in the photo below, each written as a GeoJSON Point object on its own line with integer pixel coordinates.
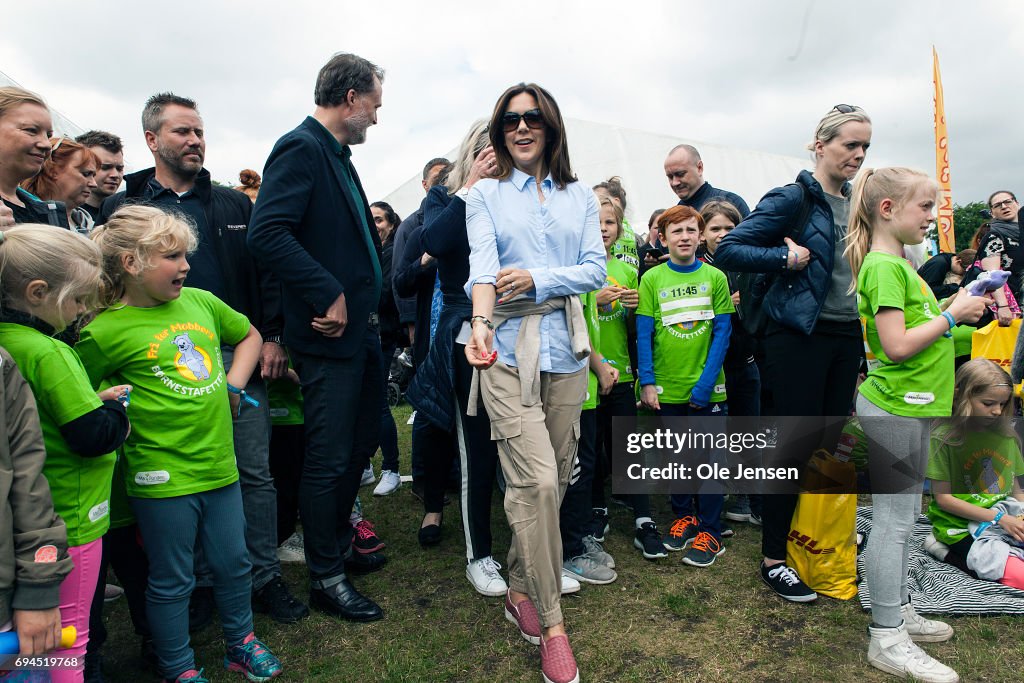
{"type": "Point", "coordinates": [478, 459]}
{"type": "Point", "coordinates": [809, 375]}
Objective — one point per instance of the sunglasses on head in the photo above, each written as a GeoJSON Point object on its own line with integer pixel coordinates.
{"type": "Point", "coordinates": [510, 120]}
{"type": "Point", "coordinates": [845, 108]}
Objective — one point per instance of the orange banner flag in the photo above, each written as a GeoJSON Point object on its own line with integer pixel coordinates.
{"type": "Point", "coordinates": [947, 239]}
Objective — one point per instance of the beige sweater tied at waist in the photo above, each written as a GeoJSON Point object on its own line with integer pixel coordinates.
{"type": "Point", "coordinates": [528, 341]}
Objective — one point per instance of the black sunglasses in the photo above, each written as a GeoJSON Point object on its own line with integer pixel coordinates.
{"type": "Point", "coordinates": [510, 120]}
{"type": "Point", "coordinates": [845, 108]}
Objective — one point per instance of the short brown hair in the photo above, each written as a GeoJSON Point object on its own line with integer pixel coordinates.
{"type": "Point", "coordinates": [678, 214]}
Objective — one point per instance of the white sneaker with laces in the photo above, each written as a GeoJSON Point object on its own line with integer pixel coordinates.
{"type": "Point", "coordinates": [292, 551]}
{"type": "Point", "coordinates": [892, 651]}
{"type": "Point", "coordinates": [368, 476]}
{"type": "Point", "coordinates": [923, 630]}
{"type": "Point", "coordinates": [483, 575]}
{"type": "Point", "coordinates": [389, 483]}
{"type": "Point", "coordinates": [569, 585]}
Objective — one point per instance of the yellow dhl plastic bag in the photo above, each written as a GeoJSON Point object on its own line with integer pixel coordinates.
{"type": "Point", "coordinates": [822, 544]}
{"type": "Point", "coordinates": [996, 343]}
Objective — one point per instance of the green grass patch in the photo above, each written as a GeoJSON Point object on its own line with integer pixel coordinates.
{"type": "Point", "coordinates": [661, 621]}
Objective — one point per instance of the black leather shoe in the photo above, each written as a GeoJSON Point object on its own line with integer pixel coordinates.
{"type": "Point", "coordinates": [275, 599]}
{"type": "Point", "coordinates": [429, 535]}
{"type": "Point", "coordinates": [360, 564]}
{"type": "Point", "coordinates": [200, 608]}
{"type": "Point", "coordinates": [343, 600]}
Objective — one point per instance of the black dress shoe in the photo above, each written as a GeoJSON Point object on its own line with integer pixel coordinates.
{"type": "Point", "coordinates": [359, 563]}
{"type": "Point", "coordinates": [276, 600]}
{"type": "Point", "coordinates": [429, 535]}
{"type": "Point", "coordinates": [343, 600]}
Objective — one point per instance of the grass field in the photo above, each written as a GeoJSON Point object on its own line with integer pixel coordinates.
{"type": "Point", "coordinates": [661, 621]}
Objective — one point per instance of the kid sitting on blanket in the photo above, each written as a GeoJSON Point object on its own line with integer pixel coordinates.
{"type": "Point", "coordinates": [974, 464]}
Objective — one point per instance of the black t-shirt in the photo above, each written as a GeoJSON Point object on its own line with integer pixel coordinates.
{"type": "Point", "coordinates": [205, 270]}
{"type": "Point", "coordinates": [93, 211]}
{"type": "Point", "coordinates": [1008, 251]}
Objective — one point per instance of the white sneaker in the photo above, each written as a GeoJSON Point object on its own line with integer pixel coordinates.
{"type": "Point", "coordinates": [935, 547]}
{"type": "Point", "coordinates": [292, 551]}
{"type": "Point", "coordinates": [923, 630]}
{"type": "Point", "coordinates": [368, 477]}
{"type": "Point", "coordinates": [484, 576]}
{"type": "Point", "coordinates": [569, 585]}
{"type": "Point", "coordinates": [892, 651]}
{"type": "Point", "coordinates": [389, 483]}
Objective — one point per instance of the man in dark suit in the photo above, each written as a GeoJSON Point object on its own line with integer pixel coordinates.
{"type": "Point", "coordinates": [312, 227]}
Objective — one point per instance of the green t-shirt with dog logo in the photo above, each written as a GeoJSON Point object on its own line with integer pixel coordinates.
{"type": "Point", "coordinates": [181, 440]}
{"type": "Point", "coordinates": [684, 306]}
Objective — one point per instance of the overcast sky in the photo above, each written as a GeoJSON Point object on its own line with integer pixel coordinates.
{"type": "Point", "coordinates": [754, 75]}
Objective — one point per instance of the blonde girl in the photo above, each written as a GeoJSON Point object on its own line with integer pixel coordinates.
{"type": "Point", "coordinates": [180, 474]}
{"type": "Point", "coordinates": [49, 277]}
{"type": "Point", "coordinates": [909, 334]}
{"type": "Point", "coordinates": [976, 465]}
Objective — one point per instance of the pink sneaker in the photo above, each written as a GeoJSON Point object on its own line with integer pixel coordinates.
{"type": "Point", "coordinates": [557, 664]}
{"type": "Point", "coordinates": [524, 615]}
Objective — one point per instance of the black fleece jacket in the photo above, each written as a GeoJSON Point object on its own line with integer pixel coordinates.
{"type": "Point", "coordinates": [249, 290]}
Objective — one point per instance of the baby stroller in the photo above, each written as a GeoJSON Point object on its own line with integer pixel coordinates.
{"type": "Point", "coordinates": [399, 376]}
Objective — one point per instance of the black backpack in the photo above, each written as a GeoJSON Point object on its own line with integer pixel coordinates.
{"type": "Point", "coordinates": [753, 287]}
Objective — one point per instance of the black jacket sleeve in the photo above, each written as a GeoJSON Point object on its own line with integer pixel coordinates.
{"type": "Point", "coordinates": [408, 274]}
{"type": "Point", "coordinates": [98, 432]}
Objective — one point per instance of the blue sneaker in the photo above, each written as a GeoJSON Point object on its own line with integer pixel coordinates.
{"type": "Point", "coordinates": [252, 658]}
{"type": "Point", "coordinates": [190, 676]}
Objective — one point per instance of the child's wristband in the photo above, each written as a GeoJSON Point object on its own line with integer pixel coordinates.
{"type": "Point", "coordinates": [245, 397]}
{"type": "Point", "coordinates": [999, 516]}
{"type": "Point", "coordinates": [952, 322]}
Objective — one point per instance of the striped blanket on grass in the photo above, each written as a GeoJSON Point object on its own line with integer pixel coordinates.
{"type": "Point", "coordinates": [939, 588]}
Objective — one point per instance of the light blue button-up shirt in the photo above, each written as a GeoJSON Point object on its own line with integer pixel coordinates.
{"type": "Point", "coordinates": [557, 241]}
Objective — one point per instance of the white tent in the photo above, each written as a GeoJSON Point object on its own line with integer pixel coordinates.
{"type": "Point", "coordinates": [599, 151]}
{"type": "Point", "coordinates": [62, 125]}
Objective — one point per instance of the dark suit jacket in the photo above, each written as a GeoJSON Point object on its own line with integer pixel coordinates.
{"type": "Point", "coordinates": [306, 229]}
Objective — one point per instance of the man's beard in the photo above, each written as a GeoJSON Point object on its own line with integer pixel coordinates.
{"type": "Point", "coordinates": [357, 127]}
{"type": "Point", "coordinates": [177, 165]}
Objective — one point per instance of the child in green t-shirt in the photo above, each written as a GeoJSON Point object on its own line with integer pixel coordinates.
{"type": "Point", "coordinates": [182, 483]}
{"type": "Point", "coordinates": [50, 276]}
{"type": "Point", "coordinates": [617, 302]}
{"type": "Point", "coordinates": [975, 463]}
{"type": "Point", "coordinates": [683, 326]}
{"type": "Point", "coordinates": [912, 383]}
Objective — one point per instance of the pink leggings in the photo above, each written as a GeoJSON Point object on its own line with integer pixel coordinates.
{"type": "Point", "coordinates": [1013, 575]}
{"type": "Point", "coordinates": [76, 593]}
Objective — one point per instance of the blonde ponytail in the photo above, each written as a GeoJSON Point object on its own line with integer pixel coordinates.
{"type": "Point", "coordinates": [869, 189]}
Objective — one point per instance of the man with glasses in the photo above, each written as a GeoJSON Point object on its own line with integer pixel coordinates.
{"type": "Point", "coordinates": [109, 153]}
{"type": "Point", "coordinates": [1000, 249]}
{"type": "Point", "coordinates": [685, 172]}
{"type": "Point", "coordinates": [312, 227]}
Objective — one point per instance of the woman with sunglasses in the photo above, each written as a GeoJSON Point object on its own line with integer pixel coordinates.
{"type": "Point", "coordinates": [535, 248]}
{"type": "Point", "coordinates": [69, 177]}
{"type": "Point", "coordinates": [25, 130]}
{"type": "Point", "coordinates": [813, 344]}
